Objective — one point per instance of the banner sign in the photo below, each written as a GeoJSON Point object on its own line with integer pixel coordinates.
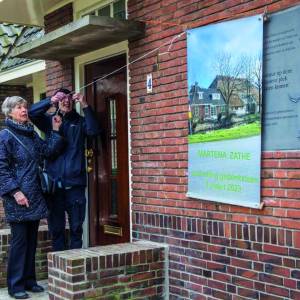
{"type": "Point", "coordinates": [225, 100]}
{"type": "Point", "coordinates": [281, 117]}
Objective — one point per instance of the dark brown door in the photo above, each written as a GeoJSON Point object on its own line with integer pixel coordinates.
{"type": "Point", "coordinates": [108, 154]}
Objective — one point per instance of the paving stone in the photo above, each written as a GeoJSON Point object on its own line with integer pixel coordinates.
{"type": "Point", "coordinates": [37, 296]}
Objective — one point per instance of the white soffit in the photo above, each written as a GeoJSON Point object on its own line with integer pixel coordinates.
{"type": "Point", "coordinates": [22, 71]}
{"type": "Point", "coordinates": [26, 12]}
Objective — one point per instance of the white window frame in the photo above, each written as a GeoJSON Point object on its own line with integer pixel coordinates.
{"type": "Point", "coordinates": [206, 110]}
{"type": "Point", "coordinates": [216, 96]}
{"type": "Point", "coordinates": [213, 110]}
{"type": "Point", "coordinates": [196, 111]}
{"type": "Point", "coordinates": [102, 4]}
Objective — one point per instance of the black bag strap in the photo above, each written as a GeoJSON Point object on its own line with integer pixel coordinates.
{"type": "Point", "coordinates": [20, 142]}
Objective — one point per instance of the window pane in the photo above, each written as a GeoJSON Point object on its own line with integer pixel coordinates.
{"type": "Point", "coordinates": [114, 166]}
{"type": "Point", "coordinates": [114, 157]}
{"type": "Point", "coordinates": [113, 115]}
{"type": "Point", "coordinates": [113, 135]}
{"type": "Point", "coordinates": [119, 9]}
{"type": "Point", "coordinates": [104, 11]}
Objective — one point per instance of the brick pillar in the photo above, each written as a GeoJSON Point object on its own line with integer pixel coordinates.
{"type": "Point", "coordinates": [123, 271]}
{"type": "Point", "coordinates": [59, 73]}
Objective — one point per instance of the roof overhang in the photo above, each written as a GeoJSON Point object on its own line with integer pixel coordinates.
{"type": "Point", "coordinates": [84, 35]}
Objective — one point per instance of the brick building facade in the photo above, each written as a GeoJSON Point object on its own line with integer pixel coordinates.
{"type": "Point", "coordinates": [59, 74]}
{"type": "Point", "coordinates": [216, 251]}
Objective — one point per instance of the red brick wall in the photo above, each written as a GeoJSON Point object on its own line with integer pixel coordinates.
{"type": "Point", "coordinates": [59, 73]}
{"type": "Point", "coordinates": [6, 91]}
{"type": "Point", "coordinates": [217, 251]}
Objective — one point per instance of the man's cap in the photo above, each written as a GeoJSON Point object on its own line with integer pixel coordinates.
{"type": "Point", "coordinates": [62, 90]}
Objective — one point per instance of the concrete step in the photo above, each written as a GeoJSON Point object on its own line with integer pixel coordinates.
{"type": "Point", "coordinates": [38, 296]}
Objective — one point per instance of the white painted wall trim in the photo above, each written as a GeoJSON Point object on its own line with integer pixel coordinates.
{"type": "Point", "coordinates": [22, 70]}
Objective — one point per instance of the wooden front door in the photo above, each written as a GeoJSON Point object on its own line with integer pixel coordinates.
{"type": "Point", "coordinates": [107, 154]}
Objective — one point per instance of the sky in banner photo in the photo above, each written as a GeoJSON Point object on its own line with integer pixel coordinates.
{"type": "Point", "coordinates": [242, 37]}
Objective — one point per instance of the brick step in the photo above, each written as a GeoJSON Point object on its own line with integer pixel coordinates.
{"type": "Point", "coordinates": [123, 271]}
{"type": "Point", "coordinates": [38, 296]}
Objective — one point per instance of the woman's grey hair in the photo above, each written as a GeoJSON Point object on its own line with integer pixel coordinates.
{"type": "Point", "coordinates": [10, 102]}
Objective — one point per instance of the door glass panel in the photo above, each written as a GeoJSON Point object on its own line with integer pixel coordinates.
{"type": "Point", "coordinates": [114, 167]}
{"type": "Point", "coordinates": [113, 136]}
{"type": "Point", "coordinates": [114, 157]}
{"type": "Point", "coordinates": [113, 115]}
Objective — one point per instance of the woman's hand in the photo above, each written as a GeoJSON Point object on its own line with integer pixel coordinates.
{"type": "Point", "coordinates": [56, 122]}
{"type": "Point", "coordinates": [81, 99]}
{"type": "Point", "coordinates": [21, 199]}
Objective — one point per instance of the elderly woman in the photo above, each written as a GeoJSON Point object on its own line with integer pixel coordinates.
{"type": "Point", "coordinates": [20, 151]}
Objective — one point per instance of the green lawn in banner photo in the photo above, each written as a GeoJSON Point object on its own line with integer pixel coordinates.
{"type": "Point", "coordinates": [237, 132]}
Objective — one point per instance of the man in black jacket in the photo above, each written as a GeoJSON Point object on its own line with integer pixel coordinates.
{"type": "Point", "coordinates": [69, 168]}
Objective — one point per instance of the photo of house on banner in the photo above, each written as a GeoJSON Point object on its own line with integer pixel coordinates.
{"type": "Point", "coordinates": [225, 100]}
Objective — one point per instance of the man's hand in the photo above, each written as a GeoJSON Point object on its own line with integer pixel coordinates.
{"type": "Point", "coordinates": [21, 199]}
{"type": "Point", "coordinates": [58, 97]}
{"type": "Point", "coordinates": [81, 99]}
{"type": "Point", "coordinates": [56, 122]}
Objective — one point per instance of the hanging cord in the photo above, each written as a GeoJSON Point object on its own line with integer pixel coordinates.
{"type": "Point", "coordinates": [185, 27]}
{"type": "Point", "coordinates": [169, 42]}
{"type": "Point", "coordinates": [170, 46]}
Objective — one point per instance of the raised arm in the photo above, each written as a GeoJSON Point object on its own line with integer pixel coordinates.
{"type": "Point", "coordinates": [91, 125]}
{"type": "Point", "coordinates": [37, 115]}
{"type": "Point", "coordinates": [54, 144]}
